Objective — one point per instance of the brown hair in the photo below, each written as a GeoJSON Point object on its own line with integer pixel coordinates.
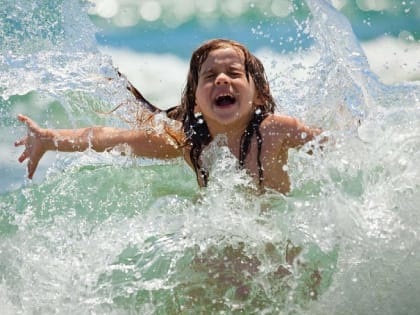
{"type": "Point", "coordinates": [196, 129]}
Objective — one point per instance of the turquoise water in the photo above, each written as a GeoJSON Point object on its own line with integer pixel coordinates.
{"type": "Point", "coordinates": [105, 234]}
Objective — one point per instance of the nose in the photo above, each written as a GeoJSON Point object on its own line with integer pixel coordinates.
{"type": "Point", "coordinates": [222, 78]}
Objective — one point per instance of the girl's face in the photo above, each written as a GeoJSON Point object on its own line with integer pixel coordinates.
{"type": "Point", "coordinates": [224, 94]}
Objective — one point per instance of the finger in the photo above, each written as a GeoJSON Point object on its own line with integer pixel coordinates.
{"type": "Point", "coordinates": [23, 156]}
{"type": "Point", "coordinates": [29, 122]}
{"type": "Point", "coordinates": [32, 165]}
{"type": "Point", "coordinates": [22, 118]}
{"type": "Point", "coordinates": [20, 142]}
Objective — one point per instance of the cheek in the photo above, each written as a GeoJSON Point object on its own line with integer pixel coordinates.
{"type": "Point", "coordinates": [250, 94]}
{"type": "Point", "coordinates": [200, 94]}
{"type": "Point", "coordinates": [198, 98]}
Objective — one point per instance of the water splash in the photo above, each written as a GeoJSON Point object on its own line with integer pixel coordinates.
{"type": "Point", "coordinates": [106, 234]}
{"type": "Point", "coordinates": [50, 48]}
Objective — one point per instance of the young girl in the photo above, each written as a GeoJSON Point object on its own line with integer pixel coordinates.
{"type": "Point", "coordinates": [227, 93]}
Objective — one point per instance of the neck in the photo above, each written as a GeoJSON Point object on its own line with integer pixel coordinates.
{"type": "Point", "coordinates": [233, 135]}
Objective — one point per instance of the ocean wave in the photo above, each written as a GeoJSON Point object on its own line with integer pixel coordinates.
{"type": "Point", "coordinates": [102, 233]}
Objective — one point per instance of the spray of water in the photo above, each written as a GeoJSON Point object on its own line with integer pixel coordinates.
{"type": "Point", "coordinates": [106, 234]}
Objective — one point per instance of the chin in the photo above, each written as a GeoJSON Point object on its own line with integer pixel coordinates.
{"type": "Point", "coordinates": [228, 121]}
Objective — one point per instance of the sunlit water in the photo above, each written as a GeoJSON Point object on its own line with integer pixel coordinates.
{"type": "Point", "coordinates": [105, 234]}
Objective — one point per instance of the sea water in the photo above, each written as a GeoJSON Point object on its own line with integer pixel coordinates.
{"type": "Point", "coordinates": [109, 234]}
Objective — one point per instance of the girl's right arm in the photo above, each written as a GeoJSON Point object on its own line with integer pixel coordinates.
{"type": "Point", "coordinates": [141, 143]}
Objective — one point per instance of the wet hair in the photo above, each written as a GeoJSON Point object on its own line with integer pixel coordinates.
{"type": "Point", "coordinates": [195, 128]}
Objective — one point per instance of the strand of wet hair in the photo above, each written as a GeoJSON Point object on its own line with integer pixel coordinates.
{"type": "Point", "coordinates": [254, 126]}
{"type": "Point", "coordinates": [199, 136]}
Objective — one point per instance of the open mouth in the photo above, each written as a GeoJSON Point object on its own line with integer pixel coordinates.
{"type": "Point", "coordinates": [225, 100]}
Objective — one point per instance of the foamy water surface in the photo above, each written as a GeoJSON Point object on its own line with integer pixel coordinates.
{"type": "Point", "coordinates": [106, 234]}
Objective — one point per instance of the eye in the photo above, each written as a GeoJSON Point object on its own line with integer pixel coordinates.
{"type": "Point", "coordinates": [208, 76]}
{"type": "Point", "coordinates": [235, 73]}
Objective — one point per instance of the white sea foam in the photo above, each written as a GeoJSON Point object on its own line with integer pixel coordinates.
{"type": "Point", "coordinates": [394, 60]}
{"type": "Point", "coordinates": [105, 237]}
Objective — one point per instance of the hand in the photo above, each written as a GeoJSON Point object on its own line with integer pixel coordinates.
{"type": "Point", "coordinates": [34, 145]}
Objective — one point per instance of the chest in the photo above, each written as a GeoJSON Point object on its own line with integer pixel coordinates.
{"type": "Point", "coordinates": [268, 162]}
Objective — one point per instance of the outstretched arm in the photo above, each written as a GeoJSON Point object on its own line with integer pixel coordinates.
{"type": "Point", "coordinates": [141, 143]}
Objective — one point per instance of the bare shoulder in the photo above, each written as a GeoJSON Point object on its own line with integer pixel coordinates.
{"type": "Point", "coordinates": [273, 131]}
{"type": "Point", "coordinates": [277, 121]}
{"type": "Point", "coordinates": [278, 125]}
{"type": "Point", "coordinates": [289, 130]}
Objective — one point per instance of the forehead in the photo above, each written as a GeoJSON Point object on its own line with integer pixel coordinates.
{"type": "Point", "coordinates": [224, 56]}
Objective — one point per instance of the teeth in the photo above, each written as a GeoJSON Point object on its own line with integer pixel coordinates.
{"type": "Point", "coordinates": [225, 99]}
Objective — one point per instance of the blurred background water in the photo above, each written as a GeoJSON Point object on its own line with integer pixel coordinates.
{"type": "Point", "coordinates": [105, 234]}
{"type": "Point", "coordinates": [388, 30]}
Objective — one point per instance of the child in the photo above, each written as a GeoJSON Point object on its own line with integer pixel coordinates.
{"type": "Point", "coordinates": [227, 93]}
